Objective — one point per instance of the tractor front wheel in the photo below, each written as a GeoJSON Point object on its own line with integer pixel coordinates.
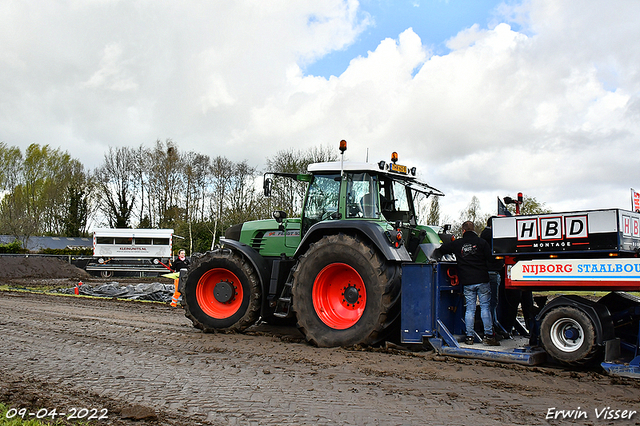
{"type": "Point", "coordinates": [346, 293]}
{"type": "Point", "coordinates": [222, 292]}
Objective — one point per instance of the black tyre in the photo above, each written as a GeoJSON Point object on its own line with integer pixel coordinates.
{"type": "Point", "coordinates": [346, 293]}
{"type": "Point", "coordinates": [568, 335]}
{"type": "Point", "coordinates": [222, 292]}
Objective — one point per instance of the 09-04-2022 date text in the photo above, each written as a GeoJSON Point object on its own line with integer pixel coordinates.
{"type": "Point", "coordinates": [72, 413]}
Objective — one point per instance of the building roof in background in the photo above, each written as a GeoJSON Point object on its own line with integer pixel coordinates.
{"type": "Point", "coordinates": [39, 243]}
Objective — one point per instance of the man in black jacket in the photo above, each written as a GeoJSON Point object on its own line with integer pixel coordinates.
{"type": "Point", "coordinates": [473, 256]}
{"type": "Point", "coordinates": [496, 269]}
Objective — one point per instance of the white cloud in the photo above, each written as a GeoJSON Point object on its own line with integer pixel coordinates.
{"type": "Point", "coordinates": [545, 101]}
{"type": "Point", "coordinates": [111, 74]}
{"type": "Point", "coordinates": [504, 112]}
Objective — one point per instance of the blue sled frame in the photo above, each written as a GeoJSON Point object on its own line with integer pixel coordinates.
{"type": "Point", "coordinates": [433, 311]}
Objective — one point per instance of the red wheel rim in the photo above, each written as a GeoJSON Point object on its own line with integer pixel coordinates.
{"type": "Point", "coordinates": [339, 296]}
{"type": "Point", "coordinates": [205, 293]}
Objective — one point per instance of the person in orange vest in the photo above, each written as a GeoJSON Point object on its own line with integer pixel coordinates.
{"type": "Point", "coordinates": [180, 263]}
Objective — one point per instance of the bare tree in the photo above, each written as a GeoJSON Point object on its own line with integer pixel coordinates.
{"type": "Point", "coordinates": [116, 186]}
{"type": "Point", "coordinates": [433, 218]}
{"type": "Point", "coordinates": [320, 154]}
{"type": "Point", "coordinates": [140, 168]}
{"type": "Point", "coordinates": [221, 175]}
{"type": "Point", "coordinates": [197, 174]}
{"type": "Point", "coordinates": [288, 194]}
{"type": "Point", "coordinates": [471, 212]}
{"type": "Point", "coordinates": [165, 176]}
{"type": "Point", "coordinates": [242, 203]}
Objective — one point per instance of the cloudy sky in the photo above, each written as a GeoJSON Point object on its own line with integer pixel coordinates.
{"type": "Point", "coordinates": [485, 98]}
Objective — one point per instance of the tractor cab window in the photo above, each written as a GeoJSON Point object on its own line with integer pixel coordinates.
{"type": "Point", "coordinates": [396, 201]}
{"type": "Point", "coordinates": [362, 196]}
{"type": "Point", "coordinates": [322, 200]}
{"type": "Point", "coordinates": [400, 197]}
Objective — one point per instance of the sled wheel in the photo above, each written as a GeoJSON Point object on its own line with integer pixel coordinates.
{"type": "Point", "coordinates": [346, 293]}
{"type": "Point", "coordinates": [568, 336]}
{"type": "Point", "coordinates": [222, 292]}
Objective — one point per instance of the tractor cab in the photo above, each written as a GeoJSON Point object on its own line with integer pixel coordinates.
{"type": "Point", "coordinates": [350, 193]}
{"type": "Point", "coordinates": [360, 191]}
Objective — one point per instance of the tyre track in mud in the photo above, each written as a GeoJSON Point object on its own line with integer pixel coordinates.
{"type": "Point", "coordinates": [149, 355]}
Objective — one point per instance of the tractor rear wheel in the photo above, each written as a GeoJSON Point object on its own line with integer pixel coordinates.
{"type": "Point", "coordinates": [346, 293]}
{"type": "Point", "coordinates": [222, 292]}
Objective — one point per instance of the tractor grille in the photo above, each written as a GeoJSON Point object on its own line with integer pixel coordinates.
{"type": "Point", "coordinates": [257, 242]}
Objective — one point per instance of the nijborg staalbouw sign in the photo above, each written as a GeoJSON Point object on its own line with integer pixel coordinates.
{"type": "Point", "coordinates": [627, 269]}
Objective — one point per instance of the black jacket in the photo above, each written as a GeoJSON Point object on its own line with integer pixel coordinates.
{"type": "Point", "coordinates": [473, 256]}
{"type": "Point", "coordinates": [178, 264]}
{"type": "Point", "coordinates": [494, 264]}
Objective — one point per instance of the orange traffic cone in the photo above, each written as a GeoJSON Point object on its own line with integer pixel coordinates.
{"type": "Point", "coordinates": [77, 289]}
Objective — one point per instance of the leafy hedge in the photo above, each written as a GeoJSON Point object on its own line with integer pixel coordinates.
{"type": "Point", "coordinates": [13, 247]}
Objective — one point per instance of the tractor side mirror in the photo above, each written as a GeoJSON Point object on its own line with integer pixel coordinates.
{"type": "Point", "coordinates": [266, 186]}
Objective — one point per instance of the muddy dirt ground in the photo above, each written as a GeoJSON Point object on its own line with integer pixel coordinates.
{"type": "Point", "coordinates": [144, 364]}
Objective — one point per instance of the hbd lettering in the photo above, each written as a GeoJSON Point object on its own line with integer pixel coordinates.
{"type": "Point", "coordinates": [606, 413]}
{"type": "Point", "coordinates": [552, 228]}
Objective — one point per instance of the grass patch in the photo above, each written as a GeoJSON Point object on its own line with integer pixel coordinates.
{"type": "Point", "coordinates": [30, 289]}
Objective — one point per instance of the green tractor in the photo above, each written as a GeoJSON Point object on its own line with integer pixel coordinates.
{"type": "Point", "coordinates": [336, 270]}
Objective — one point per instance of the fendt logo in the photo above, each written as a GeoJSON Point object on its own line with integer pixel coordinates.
{"type": "Point", "coordinates": [552, 228]}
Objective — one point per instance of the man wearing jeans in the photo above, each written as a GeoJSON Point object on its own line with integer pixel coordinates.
{"type": "Point", "coordinates": [473, 256]}
{"type": "Point", "coordinates": [495, 269]}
